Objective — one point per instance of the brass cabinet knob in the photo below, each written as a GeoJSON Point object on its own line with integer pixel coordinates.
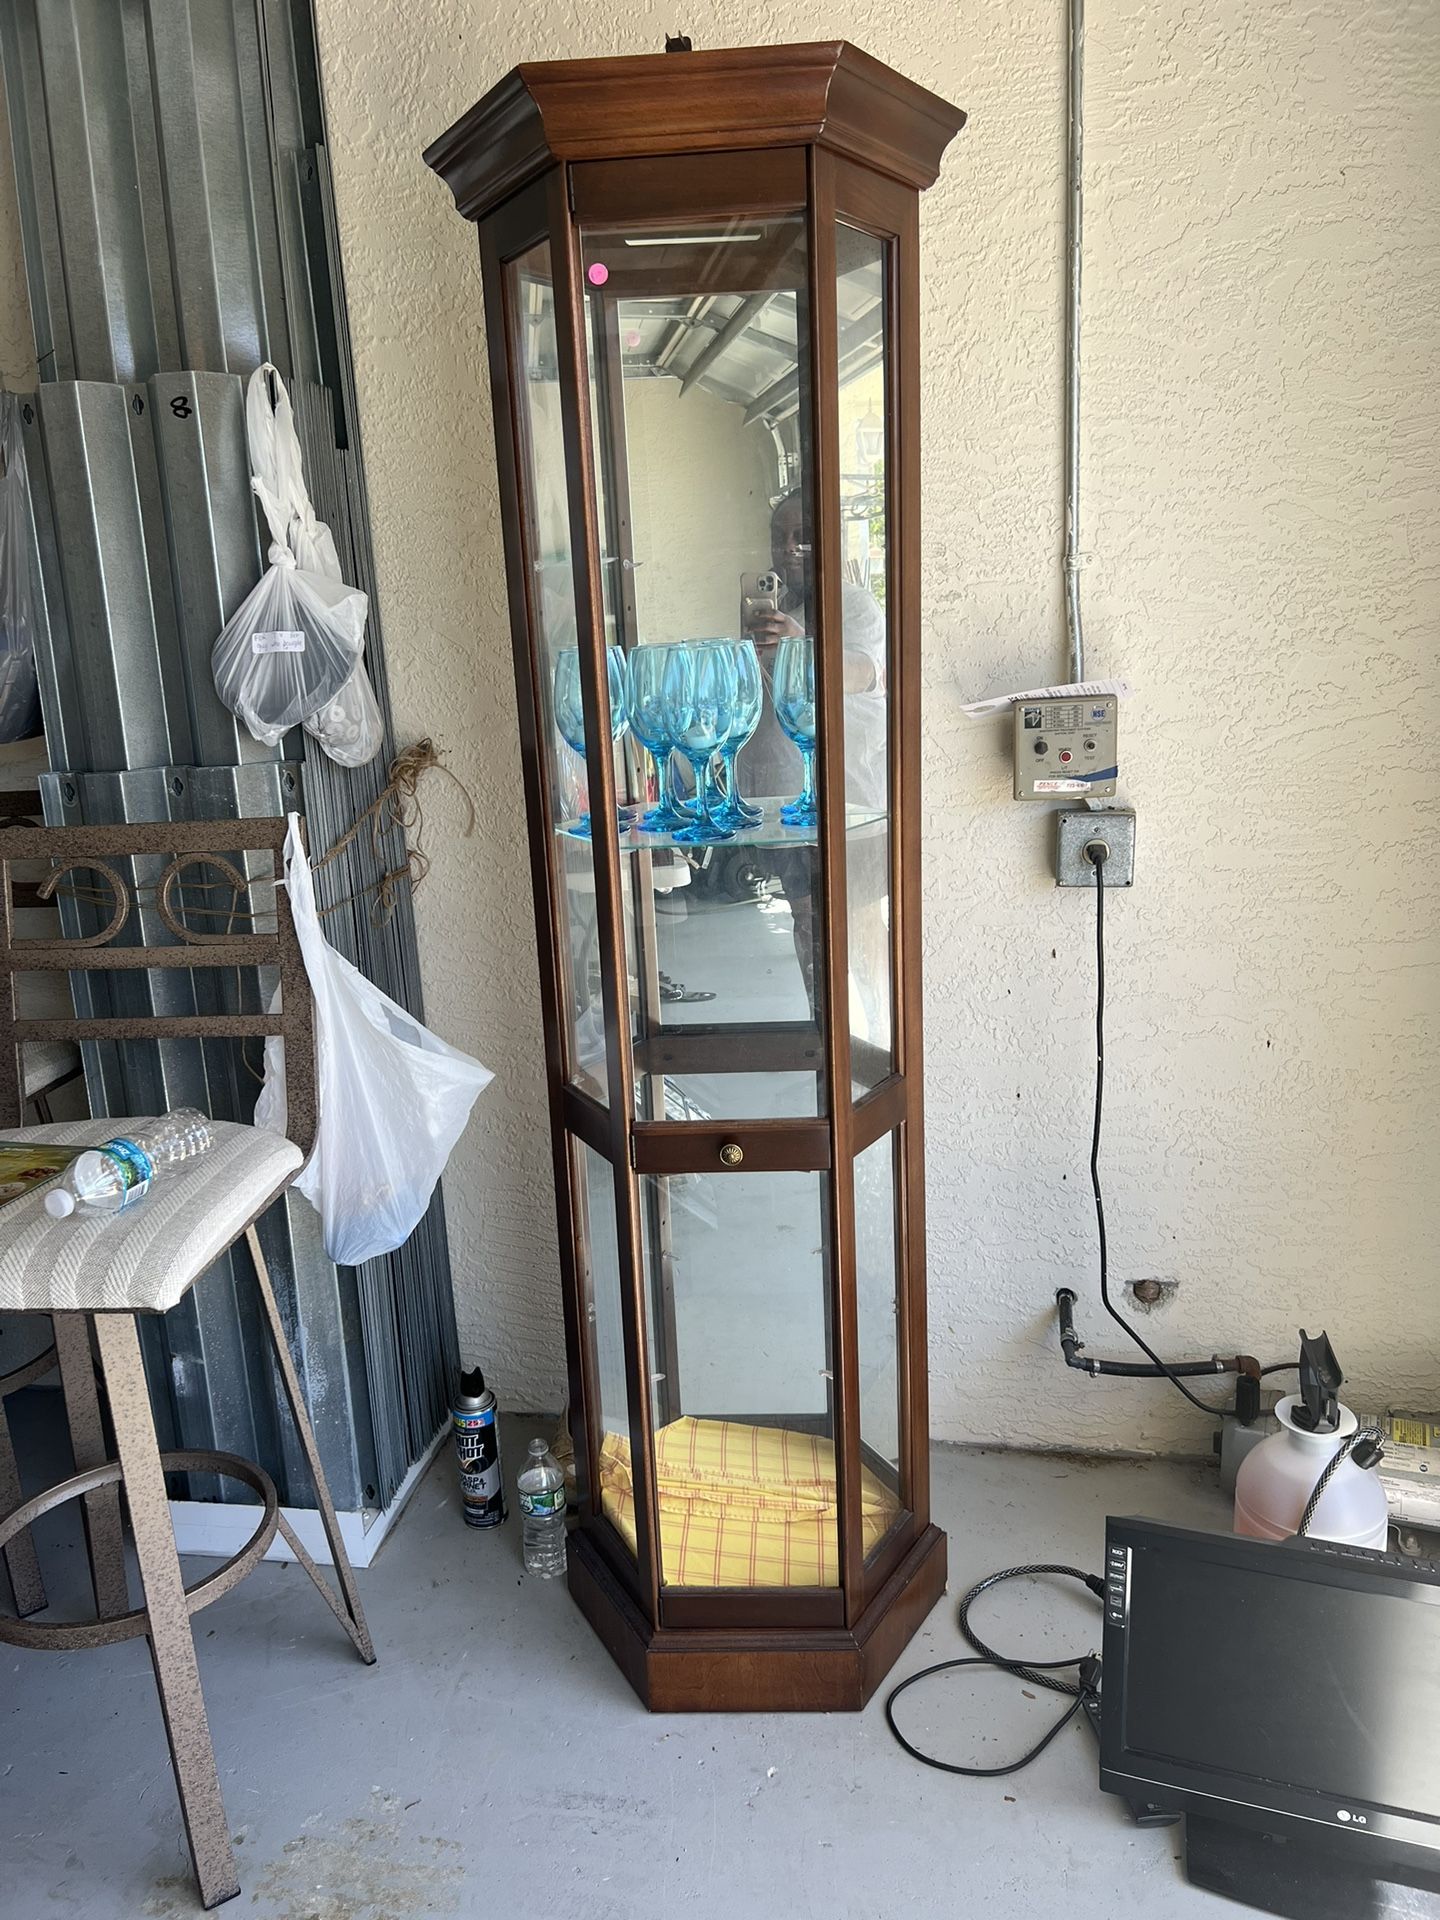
{"type": "Point", "coordinates": [732, 1153]}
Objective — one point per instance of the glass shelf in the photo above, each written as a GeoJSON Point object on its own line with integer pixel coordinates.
{"type": "Point", "coordinates": [771, 832]}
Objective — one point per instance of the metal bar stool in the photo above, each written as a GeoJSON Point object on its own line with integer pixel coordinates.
{"type": "Point", "coordinates": [46, 1069]}
{"type": "Point", "coordinates": [21, 1562]}
{"type": "Point", "coordinates": [94, 1275]}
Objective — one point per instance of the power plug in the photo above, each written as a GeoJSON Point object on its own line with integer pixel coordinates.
{"type": "Point", "coordinates": [1078, 831]}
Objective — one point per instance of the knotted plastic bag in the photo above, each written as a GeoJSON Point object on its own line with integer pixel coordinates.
{"type": "Point", "coordinates": [19, 690]}
{"type": "Point", "coordinates": [393, 1098]}
{"type": "Point", "coordinates": [291, 654]}
{"type": "Point", "coordinates": [349, 727]}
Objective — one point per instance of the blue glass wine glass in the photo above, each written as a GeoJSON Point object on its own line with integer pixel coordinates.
{"type": "Point", "coordinates": [794, 695]}
{"type": "Point", "coordinates": [649, 722]}
{"type": "Point", "coordinates": [570, 714]}
{"type": "Point", "coordinates": [699, 688]}
{"type": "Point", "coordinates": [735, 811]}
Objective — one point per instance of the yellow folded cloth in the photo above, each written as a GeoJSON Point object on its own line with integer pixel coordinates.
{"type": "Point", "coordinates": [742, 1506]}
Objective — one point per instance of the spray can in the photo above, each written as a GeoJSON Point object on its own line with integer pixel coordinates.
{"type": "Point", "coordinates": [477, 1445]}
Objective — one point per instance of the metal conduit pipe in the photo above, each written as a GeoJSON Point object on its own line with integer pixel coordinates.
{"type": "Point", "coordinates": [1074, 244]}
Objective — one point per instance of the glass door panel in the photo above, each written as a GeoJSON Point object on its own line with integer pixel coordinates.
{"type": "Point", "coordinates": [738, 1271]}
{"type": "Point", "coordinates": [698, 341]}
{"type": "Point", "coordinates": [550, 591]}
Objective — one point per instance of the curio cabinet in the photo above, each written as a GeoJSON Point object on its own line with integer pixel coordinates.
{"type": "Point", "coordinates": [700, 275]}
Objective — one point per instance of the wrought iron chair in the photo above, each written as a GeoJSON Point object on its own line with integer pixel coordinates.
{"type": "Point", "coordinates": [55, 1063]}
{"type": "Point", "coordinates": [18, 1553]}
{"type": "Point", "coordinates": [47, 1068]}
{"type": "Point", "coordinates": [96, 1275]}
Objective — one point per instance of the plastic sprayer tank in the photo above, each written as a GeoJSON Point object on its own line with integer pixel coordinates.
{"type": "Point", "coordinates": [1276, 1480]}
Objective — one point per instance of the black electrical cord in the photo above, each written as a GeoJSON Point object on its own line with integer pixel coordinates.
{"type": "Point", "coordinates": [1098, 853]}
{"type": "Point", "coordinates": [1004, 1666]}
{"type": "Point", "coordinates": [1041, 1672]}
{"type": "Point", "coordinates": [1091, 1580]}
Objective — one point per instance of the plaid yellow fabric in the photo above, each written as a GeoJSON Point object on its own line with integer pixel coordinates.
{"type": "Point", "coordinates": [742, 1506]}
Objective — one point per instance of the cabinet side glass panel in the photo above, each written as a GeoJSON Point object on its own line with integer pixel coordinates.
{"type": "Point", "coordinates": [862, 264]}
{"type": "Point", "coordinates": [698, 348]}
{"type": "Point", "coordinates": [878, 1325]}
{"type": "Point", "coordinates": [599, 1253]}
{"type": "Point", "coordinates": [550, 592]}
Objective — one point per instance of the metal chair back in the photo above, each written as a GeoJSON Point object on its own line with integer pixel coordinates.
{"type": "Point", "coordinates": [93, 851]}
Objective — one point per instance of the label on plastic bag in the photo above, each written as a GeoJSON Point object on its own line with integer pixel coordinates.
{"type": "Point", "coordinates": [287, 642]}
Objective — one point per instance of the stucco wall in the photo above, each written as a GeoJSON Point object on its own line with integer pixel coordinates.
{"type": "Point", "coordinates": [1260, 466]}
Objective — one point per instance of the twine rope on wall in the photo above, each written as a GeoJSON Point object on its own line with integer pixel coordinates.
{"type": "Point", "coordinates": [397, 806]}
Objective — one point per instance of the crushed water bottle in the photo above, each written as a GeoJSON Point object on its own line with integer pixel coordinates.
{"type": "Point", "coordinates": [541, 1487]}
{"type": "Point", "coordinates": [106, 1178]}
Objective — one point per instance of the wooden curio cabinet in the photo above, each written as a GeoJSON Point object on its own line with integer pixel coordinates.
{"type": "Point", "coordinates": [700, 284]}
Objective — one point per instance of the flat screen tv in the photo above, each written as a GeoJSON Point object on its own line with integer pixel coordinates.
{"type": "Point", "coordinates": [1286, 1699]}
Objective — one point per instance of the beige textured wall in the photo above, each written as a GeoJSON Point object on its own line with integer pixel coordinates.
{"type": "Point", "coordinates": [1261, 439]}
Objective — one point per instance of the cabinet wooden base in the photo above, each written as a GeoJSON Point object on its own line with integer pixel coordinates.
{"type": "Point", "coordinates": [758, 1669]}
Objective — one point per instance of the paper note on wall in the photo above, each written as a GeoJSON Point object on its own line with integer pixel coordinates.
{"type": "Point", "coordinates": [1080, 690]}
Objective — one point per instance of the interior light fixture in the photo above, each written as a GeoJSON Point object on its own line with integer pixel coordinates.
{"type": "Point", "coordinates": [689, 239]}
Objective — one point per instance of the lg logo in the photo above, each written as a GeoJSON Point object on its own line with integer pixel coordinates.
{"type": "Point", "coordinates": [1350, 1819]}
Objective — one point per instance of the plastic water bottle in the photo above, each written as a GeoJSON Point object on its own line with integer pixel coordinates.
{"type": "Point", "coordinates": [106, 1178]}
{"type": "Point", "coordinates": [541, 1487]}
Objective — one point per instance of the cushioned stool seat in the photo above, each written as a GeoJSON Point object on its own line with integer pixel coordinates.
{"type": "Point", "coordinates": [145, 1258]}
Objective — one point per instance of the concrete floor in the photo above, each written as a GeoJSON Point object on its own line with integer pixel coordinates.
{"type": "Point", "coordinates": [495, 1763]}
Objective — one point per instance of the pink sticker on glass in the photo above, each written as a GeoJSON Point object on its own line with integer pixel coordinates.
{"type": "Point", "coordinates": [597, 274]}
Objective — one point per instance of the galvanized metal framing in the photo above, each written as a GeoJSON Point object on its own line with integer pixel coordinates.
{"type": "Point", "coordinates": [179, 229]}
{"type": "Point", "coordinates": [146, 183]}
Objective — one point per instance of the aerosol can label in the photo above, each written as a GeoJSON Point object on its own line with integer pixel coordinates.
{"type": "Point", "coordinates": [477, 1443]}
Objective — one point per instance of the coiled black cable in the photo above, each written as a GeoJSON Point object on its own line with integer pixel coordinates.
{"type": "Point", "coordinates": [1041, 1673]}
{"type": "Point", "coordinates": [1092, 1581]}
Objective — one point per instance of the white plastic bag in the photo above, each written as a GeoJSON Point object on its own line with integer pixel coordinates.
{"type": "Point", "coordinates": [19, 691]}
{"type": "Point", "coordinates": [292, 654]}
{"type": "Point", "coordinates": [393, 1099]}
{"type": "Point", "coordinates": [349, 727]}
{"type": "Point", "coordinates": [289, 649]}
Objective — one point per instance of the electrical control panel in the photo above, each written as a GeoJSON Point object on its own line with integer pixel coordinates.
{"type": "Point", "coordinates": [1065, 748]}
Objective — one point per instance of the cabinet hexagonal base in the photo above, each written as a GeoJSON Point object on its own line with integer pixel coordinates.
{"type": "Point", "coordinates": [758, 1669]}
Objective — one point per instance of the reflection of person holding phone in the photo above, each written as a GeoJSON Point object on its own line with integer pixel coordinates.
{"type": "Point", "coordinates": [772, 763]}
{"type": "Point", "coordinates": [863, 642]}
